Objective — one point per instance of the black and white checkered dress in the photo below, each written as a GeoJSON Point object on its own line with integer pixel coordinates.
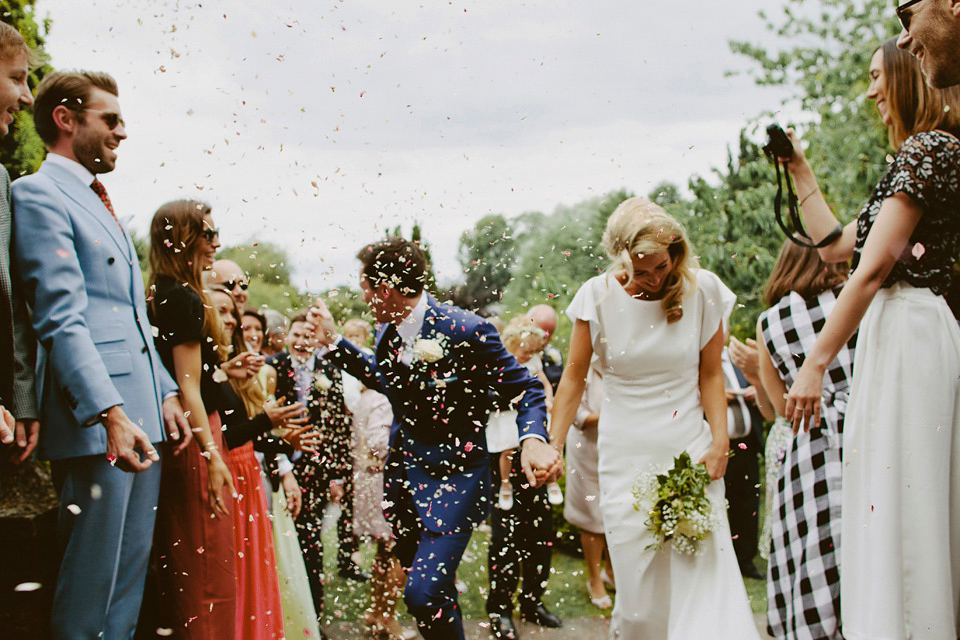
{"type": "Point", "coordinates": [803, 585]}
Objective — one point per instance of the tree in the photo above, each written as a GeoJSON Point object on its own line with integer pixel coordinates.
{"type": "Point", "coordinates": [22, 151]}
{"type": "Point", "coordinates": [267, 264]}
{"type": "Point", "coordinates": [487, 256]}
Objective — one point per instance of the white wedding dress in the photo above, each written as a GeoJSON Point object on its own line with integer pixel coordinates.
{"type": "Point", "coordinates": [651, 412]}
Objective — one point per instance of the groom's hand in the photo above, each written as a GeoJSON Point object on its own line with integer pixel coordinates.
{"type": "Point", "coordinates": [321, 322]}
{"type": "Point", "coordinates": [540, 462]}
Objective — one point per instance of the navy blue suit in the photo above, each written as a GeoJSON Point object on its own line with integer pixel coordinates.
{"type": "Point", "coordinates": [436, 480]}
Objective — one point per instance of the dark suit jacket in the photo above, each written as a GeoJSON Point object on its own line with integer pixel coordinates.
{"type": "Point", "coordinates": [17, 342]}
{"type": "Point", "coordinates": [440, 408]}
{"type": "Point", "coordinates": [327, 412]}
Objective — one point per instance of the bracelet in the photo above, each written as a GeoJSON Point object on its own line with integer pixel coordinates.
{"type": "Point", "coordinates": [831, 237]}
{"type": "Point", "coordinates": [815, 189]}
{"type": "Point", "coordinates": [210, 446]}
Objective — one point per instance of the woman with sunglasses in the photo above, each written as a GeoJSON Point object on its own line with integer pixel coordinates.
{"type": "Point", "coordinates": [194, 533]}
{"type": "Point", "coordinates": [900, 531]}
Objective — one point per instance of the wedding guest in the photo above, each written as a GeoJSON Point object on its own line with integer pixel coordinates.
{"type": "Point", "coordinates": [747, 408]}
{"type": "Point", "coordinates": [197, 588]}
{"type": "Point", "coordinates": [931, 32]}
{"type": "Point", "coordinates": [545, 317]}
{"type": "Point", "coordinates": [522, 526]}
{"type": "Point", "coordinates": [901, 518]}
{"type": "Point", "coordinates": [803, 588]}
{"type": "Point", "coordinates": [259, 611]}
{"type": "Point", "coordinates": [656, 323]}
{"type": "Point", "coordinates": [582, 505]}
{"type": "Point", "coordinates": [304, 377]}
{"type": "Point", "coordinates": [231, 275]}
{"type": "Point", "coordinates": [275, 333]}
{"type": "Point", "coordinates": [436, 480]}
{"type": "Point", "coordinates": [371, 425]}
{"type": "Point", "coordinates": [17, 342]}
{"type": "Point", "coordinates": [105, 396]}
{"type": "Point", "coordinates": [253, 327]}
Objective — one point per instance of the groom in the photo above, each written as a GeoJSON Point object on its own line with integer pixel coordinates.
{"type": "Point", "coordinates": [442, 369]}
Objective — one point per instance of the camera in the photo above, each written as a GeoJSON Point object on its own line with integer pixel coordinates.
{"type": "Point", "coordinates": [778, 143]}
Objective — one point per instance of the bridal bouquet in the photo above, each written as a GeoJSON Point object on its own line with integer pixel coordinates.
{"type": "Point", "coordinates": [677, 505]}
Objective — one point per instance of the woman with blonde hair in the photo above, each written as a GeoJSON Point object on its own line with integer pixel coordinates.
{"type": "Point", "coordinates": [900, 557]}
{"type": "Point", "coordinates": [194, 532]}
{"type": "Point", "coordinates": [656, 323]}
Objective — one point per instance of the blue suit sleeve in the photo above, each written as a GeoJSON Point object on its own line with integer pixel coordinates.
{"type": "Point", "coordinates": [54, 286]}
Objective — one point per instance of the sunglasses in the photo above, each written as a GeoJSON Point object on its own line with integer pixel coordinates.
{"type": "Point", "coordinates": [233, 284]}
{"type": "Point", "coordinates": [905, 15]}
{"type": "Point", "coordinates": [211, 234]}
{"type": "Point", "coordinates": [110, 118]}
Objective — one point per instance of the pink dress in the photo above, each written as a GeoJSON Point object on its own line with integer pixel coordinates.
{"type": "Point", "coordinates": [259, 612]}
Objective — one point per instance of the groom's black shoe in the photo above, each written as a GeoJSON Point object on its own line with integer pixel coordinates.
{"type": "Point", "coordinates": [502, 627]}
{"type": "Point", "coordinates": [540, 616]}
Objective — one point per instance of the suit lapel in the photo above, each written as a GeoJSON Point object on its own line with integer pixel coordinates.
{"type": "Point", "coordinates": [90, 203]}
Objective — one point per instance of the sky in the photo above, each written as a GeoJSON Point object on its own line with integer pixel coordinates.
{"type": "Point", "coordinates": [318, 124]}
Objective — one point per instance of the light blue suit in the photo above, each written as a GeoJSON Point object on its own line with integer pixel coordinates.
{"type": "Point", "coordinates": [83, 283]}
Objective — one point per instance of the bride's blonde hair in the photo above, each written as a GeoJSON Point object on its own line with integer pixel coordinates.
{"type": "Point", "coordinates": [639, 227]}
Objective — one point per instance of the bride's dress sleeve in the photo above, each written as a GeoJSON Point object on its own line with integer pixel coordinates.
{"type": "Point", "coordinates": [716, 304]}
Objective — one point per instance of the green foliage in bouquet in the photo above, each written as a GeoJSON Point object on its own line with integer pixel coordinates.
{"type": "Point", "coordinates": [677, 505]}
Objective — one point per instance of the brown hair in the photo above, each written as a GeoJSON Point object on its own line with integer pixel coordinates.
{"type": "Point", "coordinates": [12, 43]}
{"type": "Point", "coordinates": [639, 227]}
{"type": "Point", "coordinates": [70, 89]}
{"type": "Point", "coordinates": [176, 234]}
{"type": "Point", "coordinates": [800, 269]}
{"type": "Point", "coordinates": [397, 261]}
{"type": "Point", "coordinates": [914, 105]}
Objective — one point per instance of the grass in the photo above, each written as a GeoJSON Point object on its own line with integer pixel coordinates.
{"type": "Point", "coordinates": [566, 593]}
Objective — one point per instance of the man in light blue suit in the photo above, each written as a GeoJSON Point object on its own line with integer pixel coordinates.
{"type": "Point", "coordinates": [443, 369]}
{"type": "Point", "coordinates": [105, 397]}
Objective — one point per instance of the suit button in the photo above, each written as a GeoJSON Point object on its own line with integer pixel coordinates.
{"type": "Point", "coordinates": [111, 260]}
{"type": "Point", "coordinates": [144, 350]}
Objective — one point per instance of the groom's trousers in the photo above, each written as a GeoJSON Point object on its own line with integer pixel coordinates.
{"type": "Point", "coordinates": [432, 558]}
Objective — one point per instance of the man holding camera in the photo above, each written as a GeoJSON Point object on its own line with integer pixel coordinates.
{"type": "Point", "coordinates": [931, 32]}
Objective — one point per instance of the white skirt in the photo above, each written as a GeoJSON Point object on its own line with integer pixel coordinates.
{"type": "Point", "coordinates": [900, 558]}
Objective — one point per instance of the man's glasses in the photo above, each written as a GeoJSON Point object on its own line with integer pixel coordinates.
{"type": "Point", "coordinates": [243, 283]}
{"type": "Point", "coordinates": [110, 118]}
{"type": "Point", "coordinates": [904, 14]}
{"type": "Point", "coordinates": [211, 234]}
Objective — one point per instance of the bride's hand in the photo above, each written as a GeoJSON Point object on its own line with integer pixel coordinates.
{"type": "Point", "coordinates": [716, 459]}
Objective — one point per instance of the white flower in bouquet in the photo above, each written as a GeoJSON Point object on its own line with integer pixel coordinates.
{"type": "Point", "coordinates": [677, 505]}
{"type": "Point", "coordinates": [428, 350]}
{"type": "Point", "coordinates": [321, 382]}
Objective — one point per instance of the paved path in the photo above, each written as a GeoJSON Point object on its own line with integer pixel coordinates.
{"type": "Point", "coordinates": [576, 629]}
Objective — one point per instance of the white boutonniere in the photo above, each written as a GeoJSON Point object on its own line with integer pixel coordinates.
{"type": "Point", "coordinates": [321, 382]}
{"type": "Point", "coordinates": [429, 349]}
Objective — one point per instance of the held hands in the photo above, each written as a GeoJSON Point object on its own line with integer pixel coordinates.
{"type": "Point", "coordinates": [746, 358]}
{"type": "Point", "coordinates": [716, 459]}
{"type": "Point", "coordinates": [175, 421]}
{"type": "Point", "coordinates": [540, 461]}
{"type": "Point", "coordinates": [124, 438]}
{"type": "Point", "coordinates": [304, 438]}
{"type": "Point", "coordinates": [803, 400]}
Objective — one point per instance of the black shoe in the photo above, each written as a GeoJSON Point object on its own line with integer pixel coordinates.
{"type": "Point", "coordinates": [541, 616]}
{"type": "Point", "coordinates": [353, 572]}
{"type": "Point", "coordinates": [750, 571]}
{"type": "Point", "coordinates": [502, 627]}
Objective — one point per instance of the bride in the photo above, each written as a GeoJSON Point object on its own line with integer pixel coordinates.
{"type": "Point", "coordinates": [655, 323]}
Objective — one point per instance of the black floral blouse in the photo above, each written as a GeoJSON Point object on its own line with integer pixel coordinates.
{"type": "Point", "coordinates": [927, 168]}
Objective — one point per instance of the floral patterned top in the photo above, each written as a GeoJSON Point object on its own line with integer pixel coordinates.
{"type": "Point", "coordinates": [927, 168]}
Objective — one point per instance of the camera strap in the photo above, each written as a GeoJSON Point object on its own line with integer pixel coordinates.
{"type": "Point", "coordinates": [793, 209]}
